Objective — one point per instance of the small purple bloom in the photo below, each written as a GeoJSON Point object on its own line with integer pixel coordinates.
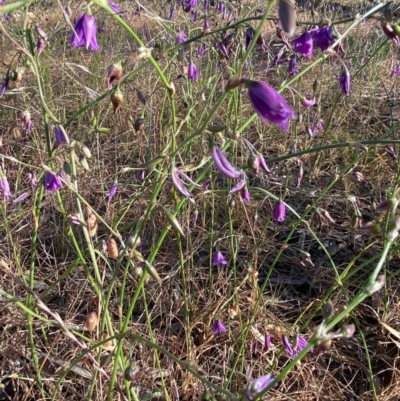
{"type": "Point", "coordinates": [238, 187]}
{"type": "Point", "coordinates": [258, 385]}
{"type": "Point", "coordinates": [4, 87]}
{"type": "Point", "coordinates": [267, 342]}
{"type": "Point", "coordinates": [5, 187]}
{"type": "Point", "coordinates": [178, 184]}
{"type": "Point", "coordinates": [61, 136]}
{"type": "Point", "coordinates": [114, 6]}
{"type": "Point", "coordinates": [279, 212]}
{"type": "Point", "coordinates": [21, 198]}
{"type": "Point", "coordinates": [223, 165]}
{"type": "Point", "coordinates": [181, 37]}
{"type": "Point", "coordinates": [52, 182]}
{"type": "Point", "coordinates": [219, 259]}
{"type": "Point", "coordinates": [269, 104]}
{"type": "Point", "coordinates": [220, 7]}
{"type": "Point", "coordinates": [218, 327]}
{"type": "Point", "coordinates": [188, 5]}
{"type": "Point", "coordinates": [344, 81]}
{"type": "Point", "coordinates": [193, 72]}
{"type": "Point", "coordinates": [206, 26]}
{"type": "Point", "coordinates": [323, 37]}
{"type": "Point", "coordinates": [245, 194]}
{"type": "Point", "coordinates": [32, 179]}
{"type": "Point", "coordinates": [201, 50]}
{"type": "Point", "coordinates": [26, 119]}
{"type": "Point", "coordinates": [41, 44]}
{"type": "Point", "coordinates": [248, 36]}
{"type": "Point", "coordinates": [304, 44]}
{"type": "Point", "coordinates": [288, 347]}
{"type": "Point", "coordinates": [316, 128]}
{"type": "Point", "coordinates": [395, 72]}
{"type": "Point", "coordinates": [206, 6]}
{"type": "Point", "coordinates": [85, 33]}
{"type": "Point", "coordinates": [307, 102]}
{"type": "Point", "coordinates": [172, 14]}
{"type": "Point", "coordinates": [112, 190]}
{"type": "Point", "coordinates": [292, 65]}
{"type": "Point", "coordinates": [390, 150]}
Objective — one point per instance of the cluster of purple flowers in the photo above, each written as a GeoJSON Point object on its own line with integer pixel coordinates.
{"type": "Point", "coordinates": [321, 38]}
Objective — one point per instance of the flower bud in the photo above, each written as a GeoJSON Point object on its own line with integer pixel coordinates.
{"type": "Point", "coordinates": [92, 320]}
{"type": "Point", "coordinates": [254, 163]}
{"type": "Point", "coordinates": [327, 310]}
{"type": "Point", "coordinates": [84, 163]}
{"type": "Point", "coordinates": [40, 32]}
{"type": "Point", "coordinates": [116, 98]}
{"type": "Point", "coordinates": [131, 372]}
{"type": "Point", "coordinates": [348, 331]}
{"type": "Point", "coordinates": [86, 151]}
{"type": "Point", "coordinates": [137, 272]}
{"type": "Point", "coordinates": [287, 17]}
{"type": "Point", "coordinates": [114, 73]}
{"type": "Point", "coordinates": [139, 124]}
{"type": "Point", "coordinates": [233, 83]}
{"type": "Point", "coordinates": [112, 248]}
{"type": "Point", "coordinates": [393, 229]}
{"type": "Point", "coordinates": [377, 285]}
{"type": "Point", "coordinates": [133, 241]}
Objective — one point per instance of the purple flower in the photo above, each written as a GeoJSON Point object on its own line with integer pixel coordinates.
{"type": "Point", "coordinates": [188, 5]}
{"type": "Point", "coordinates": [222, 50]}
{"type": "Point", "coordinates": [206, 6]}
{"type": "Point", "coordinates": [61, 136]}
{"type": "Point", "coordinates": [178, 184]}
{"type": "Point", "coordinates": [171, 13]}
{"type": "Point", "coordinates": [223, 165]}
{"type": "Point", "coordinates": [41, 44]}
{"type": "Point", "coordinates": [4, 87]}
{"type": "Point", "coordinates": [395, 72]}
{"type": "Point", "coordinates": [388, 30]}
{"type": "Point", "coordinates": [112, 190]}
{"type": "Point", "coordinates": [26, 119]}
{"type": "Point", "coordinates": [269, 104]}
{"type": "Point", "coordinates": [323, 37]}
{"type": "Point", "coordinates": [279, 212]}
{"type": "Point", "coordinates": [390, 150]}
{"type": "Point", "coordinates": [307, 102]}
{"type": "Point", "coordinates": [206, 26]}
{"type": "Point", "coordinates": [218, 327]}
{"type": "Point", "coordinates": [238, 187]}
{"type": "Point", "coordinates": [316, 128]}
{"type": "Point", "coordinates": [245, 194]}
{"type": "Point", "coordinates": [219, 259]}
{"type": "Point", "coordinates": [304, 44]}
{"type": "Point", "coordinates": [85, 33]}
{"type": "Point", "coordinates": [181, 37]}
{"type": "Point", "coordinates": [137, 12]}
{"type": "Point", "coordinates": [193, 72]}
{"type": "Point", "coordinates": [21, 198]}
{"type": "Point", "coordinates": [201, 50]}
{"type": "Point", "coordinates": [248, 36]}
{"type": "Point", "coordinates": [267, 342]}
{"type": "Point", "coordinates": [32, 179]}
{"type": "Point", "coordinates": [52, 182]}
{"type": "Point", "coordinates": [288, 347]}
{"type": "Point", "coordinates": [114, 7]}
{"type": "Point", "coordinates": [258, 385]}
{"type": "Point", "coordinates": [292, 65]}
{"type": "Point", "coordinates": [5, 187]}
{"type": "Point", "coordinates": [220, 7]}
{"type": "Point", "coordinates": [344, 81]}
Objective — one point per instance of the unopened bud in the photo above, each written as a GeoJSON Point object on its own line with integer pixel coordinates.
{"type": "Point", "coordinates": [116, 98]}
{"type": "Point", "coordinates": [133, 241]}
{"type": "Point", "coordinates": [393, 229]}
{"type": "Point", "coordinates": [86, 151]}
{"type": "Point", "coordinates": [377, 285]}
{"type": "Point", "coordinates": [92, 321]}
{"type": "Point", "coordinates": [327, 310]}
{"type": "Point", "coordinates": [254, 163]}
{"type": "Point", "coordinates": [348, 331]}
{"type": "Point", "coordinates": [131, 372]}
{"type": "Point", "coordinates": [287, 17]}
{"type": "Point", "coordinates": [139, 124]}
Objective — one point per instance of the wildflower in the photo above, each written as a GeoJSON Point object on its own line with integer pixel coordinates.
{"type": "Point", "coordinates": [61, 136]}
{"type": "Point", "coordinates": [395, 72]}
{"type": "Point", "coordinates": [206, 6]}
{"type": "Point", "coordinates": [114, 72]}
{"type": "Point", "coordinates": [256, 386]}
{"type": "Point", "coordinates": [32, 179]}
{"type": "Point", "coordinates": [220, 7]}
{"type": "Point", "coordinates": [137, 12]}
{"type": "Point", "coordinates": [52, 182]}
{"type": "Point", "coordinates": [206, 26]}
{"type": "Point", "coordinates": [222, 51]}
{"type": "Point", "coordinates": [323, 37]}
{"type": "Point", "coordinates": [41, 44]}
{"type": "Point", "coordinates": [245, 194]}
{"type": "Point", "coordinates": [26, 119]}
{"type": "Point", "coordinates": [307, 102]}
{"type": "Point", "coordinates": [238, 187]}
{"type": "Point", "coordinates": [181, 37]}
{"type": "Point", "coordinates": [279, 212]}
{"type": "Point", "coordinates": [5, 187]}
{"type": "Point", "coordinates": [254, 163]}
{"type": "Point", "coordinates": [114, 7]}
{"type": "Point", "coordinates": [21, 198]}
{"type": "Point", "coordinates": [386, 205]}
{"type": "Point", "coordinates": [388, 31]}
{"type": "Point", "coordinates": [263, 164]}
{"type": "Point", "coordinates": [188, 5]}
{"type": "Point", "coordinates": [390, 150]}
{"type": "Point", "coordinates": [193, 72]}
{"type": "Point", "coordinates": [223, 165]}
{"type": "Point", "coordinates": [4, 86]}
{"type": "Point", "coordinates": [218, 327]}
{"type": "Point", "coordinates": [219, 259]}
{"type": "Point", "coordinates": [248, 37]}
{"type": "Point", "coordinates": [201, 50]}
{"type": "Point", "coordinates": [292, 65]}
{"type": "Point", "coordinates": [112, 190]}
{"type": "Point", "coordinates": [178, 184]}
{"type": "Point", "coordinates": [269, 104]}
{"type": "Point", "coordinates": [84, 34]}
{"type": "Point", "coordinates": [316, 128]}
{"type": "Point", "coordinates": [304, 44]}
{"type": "Point", "coordinates": [358, 177]}
{"type": "Point", "coordinates": [288, 347]}
{"type": "Point", "coordinates": [267, 342]}
{"type": "Point", "coordinates": [344, 81]}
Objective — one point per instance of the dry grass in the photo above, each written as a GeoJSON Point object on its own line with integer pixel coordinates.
{"type": "Point", "coordinates": [178, 313]}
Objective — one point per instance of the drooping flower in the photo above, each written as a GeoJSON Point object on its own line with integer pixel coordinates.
{"type": "Point", "coordinates": [245, 194]}
{"type": "Point", "coordinates": [292, 65]}
{"type": "Point", "coordinates": [344, 81]}
{"type": "Point", "coordinates": [256, 386]}
{"type": "Point", "coordinates": [206, 6]}
{"type": "Point", "coordinates": [323, 37]}
{"type": "Point", "coordinates": [85, 33]}
{"type": "Point", "coordinates": [238, 187]}
{"type": "Point", "coordinates": [279, 212]}
{"type": "Point", "coordinates": [304, 44]}
{"type": "Point", "coordinates": [248, 36]}
{"type": "Point", "coordinates": [181, 37]}
{"type": "Point", "coordinates": [61, 136]}
{"type": "Point", "coordinates": [5, 187]}
{"type": "Point", "coordinates": [52, 182]}
{"type": "Point", "coordinates": [112, 191]}
{"type": "Point", "coordinates": [269, 104]}
{"type": "Point", "coordinates": [188, 5]}
{"type": "Point", "coordinates": [206, 26]}
{"type": "Point", "coordinates": [114, 72]}
{"type": "Point", "coordinates": [307, 102]}
{"type": "Point", "coordinates": [218, 327]}
{"type": "Point", "coordinates": [41, 44]}
{"type": "Point", "coordinates": [312, 130]}
{"type": "Point", "coordinates": [388, 30]}
{"type": "Point", "coordinates": [221, 7]}
{"type": "Point", "coordinates": [223, 165]}
{"type": "Point", "coordinates": [193, 72]}
{"type": "Point", "coordinates": [201, 50]}
{"type": "Point", "coordinates": [172, 13]}
{"type": "Point", "coordinates": [219, 259]}
{"type": "Point", "coordinates": [114, 6]}
{"type": "Point", "coordinates": [4, 87]}
{"type": "Point", "coordinates": [178, 184]}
